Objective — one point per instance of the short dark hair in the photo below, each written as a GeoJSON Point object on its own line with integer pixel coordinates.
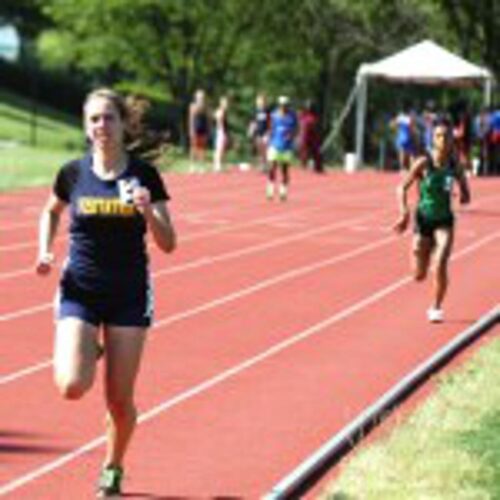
{"type": "Point", "coordinates": [442, 121]}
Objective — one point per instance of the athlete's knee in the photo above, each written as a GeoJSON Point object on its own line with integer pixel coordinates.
{"type": "Point", "coordinates": [71, 382]}
{"type": "Point", "coordinates": [71, 389]}
{"type": "Point", "coordinates": [440, 266]}
{"type": "Point", "coordinates": [419, 274]}
{"type": "Point", "coordinates": [441, 273]}
{"type": "Point", "coordinates": [121, 408]}
{"type": "Point", "coordinates": [419, 271]}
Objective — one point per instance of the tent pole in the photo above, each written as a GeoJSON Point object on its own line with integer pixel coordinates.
{"type": "Point", "coordinates": [487, 91]}
{"type": "Point", "coordinates": [362, 85]}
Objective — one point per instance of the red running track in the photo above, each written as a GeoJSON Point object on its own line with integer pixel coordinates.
{"type": "Point", "coordinates": [277, 324]}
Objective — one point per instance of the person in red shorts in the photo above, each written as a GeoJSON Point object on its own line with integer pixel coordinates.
{"type": "Point", "coordinates": [309, 137]}
{"type": "Point", "coordinates": [198, 127]}
{"type": "Point", "coordinates": [462, 135]}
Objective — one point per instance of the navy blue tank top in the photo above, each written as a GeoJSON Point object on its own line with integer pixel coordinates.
{"type": "Point", "coordinates": [107, 246]}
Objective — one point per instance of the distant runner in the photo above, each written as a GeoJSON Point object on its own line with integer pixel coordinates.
{"type": "Point", "coordinates": [435, 174]}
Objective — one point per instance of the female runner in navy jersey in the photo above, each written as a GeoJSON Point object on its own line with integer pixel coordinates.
{"type": "Point", "coordinates": [113, 199]}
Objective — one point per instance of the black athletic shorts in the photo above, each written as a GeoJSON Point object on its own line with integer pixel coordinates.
{"type": "Point", "coordinates": [119, 306]}
{"type": "Point", "coordinates": [425, 227]}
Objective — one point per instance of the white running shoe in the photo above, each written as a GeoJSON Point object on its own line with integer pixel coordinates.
{"type": "Point", "coordinates": [270, 191]}
{"type": "Point", "coordinates": [283, 192]}
{"type": "Point", "coordinates": [435, 315]}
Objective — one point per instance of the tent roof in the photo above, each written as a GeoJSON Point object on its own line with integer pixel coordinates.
{"type": "Point", "coordinates": [425, 63]}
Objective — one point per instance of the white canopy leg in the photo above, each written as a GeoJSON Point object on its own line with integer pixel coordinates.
{"type": "Point", "coordinates": [361, 97]}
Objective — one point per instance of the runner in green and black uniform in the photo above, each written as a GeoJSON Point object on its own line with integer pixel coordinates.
{"type": "Point", "coordinates": [434, 207]}
{"type": "Point", "coordinates": [436, 174]}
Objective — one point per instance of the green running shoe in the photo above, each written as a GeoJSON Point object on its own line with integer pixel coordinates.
{"type": "Point", "coordinates": [110, 481]}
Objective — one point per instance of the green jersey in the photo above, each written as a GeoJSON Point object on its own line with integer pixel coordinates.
{"type": "Point", "coordinates": [435, 191]}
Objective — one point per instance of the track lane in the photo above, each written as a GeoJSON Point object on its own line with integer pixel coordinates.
{"type": "Point", "coordinates": [189, 364]}
{"type": "Point", "coordinates": [218, 335]}
{"type": "Point", "coordinates": [179, 299]}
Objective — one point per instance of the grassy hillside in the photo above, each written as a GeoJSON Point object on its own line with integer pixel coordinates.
{"type": "Point", "coordinates": [34, 141]}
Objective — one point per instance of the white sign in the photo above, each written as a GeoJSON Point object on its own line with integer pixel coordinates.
{"type": "Point", "coordinates": [10, 43]}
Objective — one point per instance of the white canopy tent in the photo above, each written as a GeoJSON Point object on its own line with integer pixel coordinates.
{"type": "Point", "coordinates": [425, 63]}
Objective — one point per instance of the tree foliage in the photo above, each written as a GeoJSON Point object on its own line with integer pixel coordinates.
{"type": "Point", "coordinates": [475, 25]}
{"type": "Point", "coordinates": [306, 48]}
{"type": "Point", "coordinates": [26, 15]}
{"type": "Point", "coordinates": [179, 45]}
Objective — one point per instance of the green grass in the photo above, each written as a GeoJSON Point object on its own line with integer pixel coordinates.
{"type": "Point", "coordinates": [449, 449]}
{"type": "Point", "coordinates": [29, 154]}
{"type": "Point", "coordinates": [59, 138]}
{"type": "Point", "coordinates": [46, 129]}
{"type": "Point", "coordinates": [23, 166]}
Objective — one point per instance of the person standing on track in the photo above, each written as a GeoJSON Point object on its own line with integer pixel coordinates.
{"type": "Point", "coordinates": [258, 130]}
{"type": "Point", "coordinates": [310, 137]}
{"type": "Point", "coordinates": [281, 145]}
{"type": "Point", "coordinates": [198, 128]}
{"type": "Point", "coordinates": [406, 136]}
{"type": "Point", "coordinates": [462, 135]}
{"type": "Point", "coordinates": [434, 220]}
{"type": "Point", "coordinates": [222, 136]}
{"type": "Point", "coordinates": [494, 141]}
{"type": "Point", "coordinates": [113, 199]}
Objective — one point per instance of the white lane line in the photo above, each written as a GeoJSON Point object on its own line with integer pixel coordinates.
{"type": "Point", "coordinates": [215, 222]}
{"type": "Point", "coordinates": [19, 225]}
{"type": "Point", "coordinates": [230, 373]}
{"type": "Point", "coordinates": [262, 246]}
{"type": "Point", "coordinates": [194, 236]}
{"type": "Point", "coordinates": [17, 273]}
{"type": "Point", "coordinates": [380, 407]}
{"type": "Point", "coordinates": [225, 299]}
{"type": "Point", "coordinates": [177, 200]}
{"type": "Point", "coordinates": [29, 244]}
{"type": "Point", "coordinates": [21, 313]}
{"type": "Point", "coordinates": [191, 237]}
{"type": "Point", "coordinates": [30, 370]}
{"type": "Point", "coordinates": [275, 280]}
{"type": "Point", "coordinates": [261, 285]}
{"type": "Point", "coordinates": [204, 261]}
{"type": "Point", "coordinates": [229, 228]}
{"type": "Point", "coordinates": [33, 204]}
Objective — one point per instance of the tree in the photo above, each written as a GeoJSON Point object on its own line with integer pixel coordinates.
{"type": "Point", "coordinates": [172, 44]}
{"type": "Point", "coordinates": [341, 34]}
{"type": "Point", "coordinates": [476, 28]}
{"type": "Point", "coordinates": [26, 15]}
{"type": "Point", "coordinates": [306, 48]}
